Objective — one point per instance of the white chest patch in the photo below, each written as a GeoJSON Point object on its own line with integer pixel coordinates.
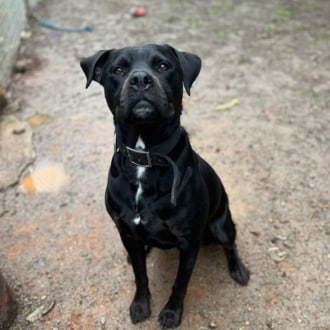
{"type": "Point", "coordinates": [139, 143]}
{"type": "Point", "coordinates": [137, 220]}
{"type": "Point", "coordinates": [140, 171]}
{"type": "Point", "coordinates": [138, 193]}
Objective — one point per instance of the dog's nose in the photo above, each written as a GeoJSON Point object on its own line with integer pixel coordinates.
{"type": "Point", "coordinates": [140, 80]}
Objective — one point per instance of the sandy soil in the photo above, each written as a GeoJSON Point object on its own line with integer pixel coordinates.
{"type": "Point", "coordinates": [61, 250]}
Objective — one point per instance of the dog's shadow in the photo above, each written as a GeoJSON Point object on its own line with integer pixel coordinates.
{"type": "Point", "coordinates": [210, 275]}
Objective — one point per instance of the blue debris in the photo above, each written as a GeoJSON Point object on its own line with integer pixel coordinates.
{"type": "Point", "coordinates": [53, 26]}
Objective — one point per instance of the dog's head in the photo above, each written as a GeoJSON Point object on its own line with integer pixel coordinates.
{"type": "Point", "coordinates": [143, 84]}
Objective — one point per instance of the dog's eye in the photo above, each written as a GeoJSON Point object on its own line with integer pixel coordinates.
{"type": "Point", "coordinates": [118, 70]}
{"type": "Point", "coordinates": [162, 67]}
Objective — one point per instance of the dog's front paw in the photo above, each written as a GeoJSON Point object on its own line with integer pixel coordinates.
{"type": "Point", "coordinates": [139, 310]}
{"type": "Point", "coordinates": [169, 318]}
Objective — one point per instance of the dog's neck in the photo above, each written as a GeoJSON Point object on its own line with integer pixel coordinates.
{"type": "Point", "coordinates": [151, 135]}
{"type": "Point", "coordinates": [157, 143]}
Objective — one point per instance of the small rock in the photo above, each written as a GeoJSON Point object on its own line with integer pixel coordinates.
{"type": "Point", "coordinates": [14, 106]}
{"type": "Point", "coordinates": [19, 130]}
{"type": "Point", "coordinates": [25, 35]}
{"type": "Point", "coordinates": [212, 325]}
{"type": "Point", "coordinates": [270, 324]}
{"type": "Point", "coordinates": [25, 64]}
{"type": "Point", "coordinates": [277, 254]}
{"type": "Point", "coordinates": [103, 320]}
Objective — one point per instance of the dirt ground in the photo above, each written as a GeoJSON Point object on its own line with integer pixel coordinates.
{"type": "Point", "coordinates": [268, 64]}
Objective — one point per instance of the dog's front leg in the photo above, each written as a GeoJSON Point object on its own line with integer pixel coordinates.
{"type": "Point", "coordinates": [140, 306]}
{"type": "Point", "coordinates": [170, 316]}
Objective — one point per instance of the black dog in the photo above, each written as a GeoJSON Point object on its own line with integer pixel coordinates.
{"type": "Point", "coordinates": [160, 193]}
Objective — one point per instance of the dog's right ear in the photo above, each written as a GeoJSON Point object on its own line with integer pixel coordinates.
{"type": "Point", "coordinates": [190, 64]}
{"type": "Point", "coordinates": [93, 66]}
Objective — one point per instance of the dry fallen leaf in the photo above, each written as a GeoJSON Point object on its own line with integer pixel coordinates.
{"type": "Point", "coordinates": [228, 105]}
{"type": "Point", "coordinates": [39, 119]}
{"type": "Point", "coordinates": [45, 177]}
{"type": "Point", "coordinates": [41, 311]}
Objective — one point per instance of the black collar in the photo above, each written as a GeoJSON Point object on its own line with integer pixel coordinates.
{"type": "Point", "coordinates": [155, 156]}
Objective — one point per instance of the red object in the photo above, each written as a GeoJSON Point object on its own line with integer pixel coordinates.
{"type": "Point", "coordinates": [139, 12]}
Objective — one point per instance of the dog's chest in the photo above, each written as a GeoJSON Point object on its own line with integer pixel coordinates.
{"type": "Point", "coordinates": [145, 187]}
{"type": "Point", "coordinates": [139, 199]}
{"type": "Point", "coordinates": [147, 220]}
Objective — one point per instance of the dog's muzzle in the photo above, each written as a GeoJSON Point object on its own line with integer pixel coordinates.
{"type": "Point", "coordinates": [143, 98]}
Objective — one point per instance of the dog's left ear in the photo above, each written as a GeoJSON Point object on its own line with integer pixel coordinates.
{"type": "Point", "coordinates": [191, 65]}
{"type": "Point", "coordinates": [93, 66]}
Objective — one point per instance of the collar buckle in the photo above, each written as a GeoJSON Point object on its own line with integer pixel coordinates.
{"type": "Point", "coordinates": [139, 157]}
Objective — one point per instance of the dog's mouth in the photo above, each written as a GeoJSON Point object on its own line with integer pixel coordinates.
{"type": "Point", "coordinates": [144, 107]}
{"type": "Point", "coordinates": [144, 111]}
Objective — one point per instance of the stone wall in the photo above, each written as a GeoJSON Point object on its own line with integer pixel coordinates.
{"type": "Point", "coordinates": [12, 23]}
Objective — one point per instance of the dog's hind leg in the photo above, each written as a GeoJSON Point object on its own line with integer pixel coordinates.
{"type": "Point", "coordinates": [224, 232]}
